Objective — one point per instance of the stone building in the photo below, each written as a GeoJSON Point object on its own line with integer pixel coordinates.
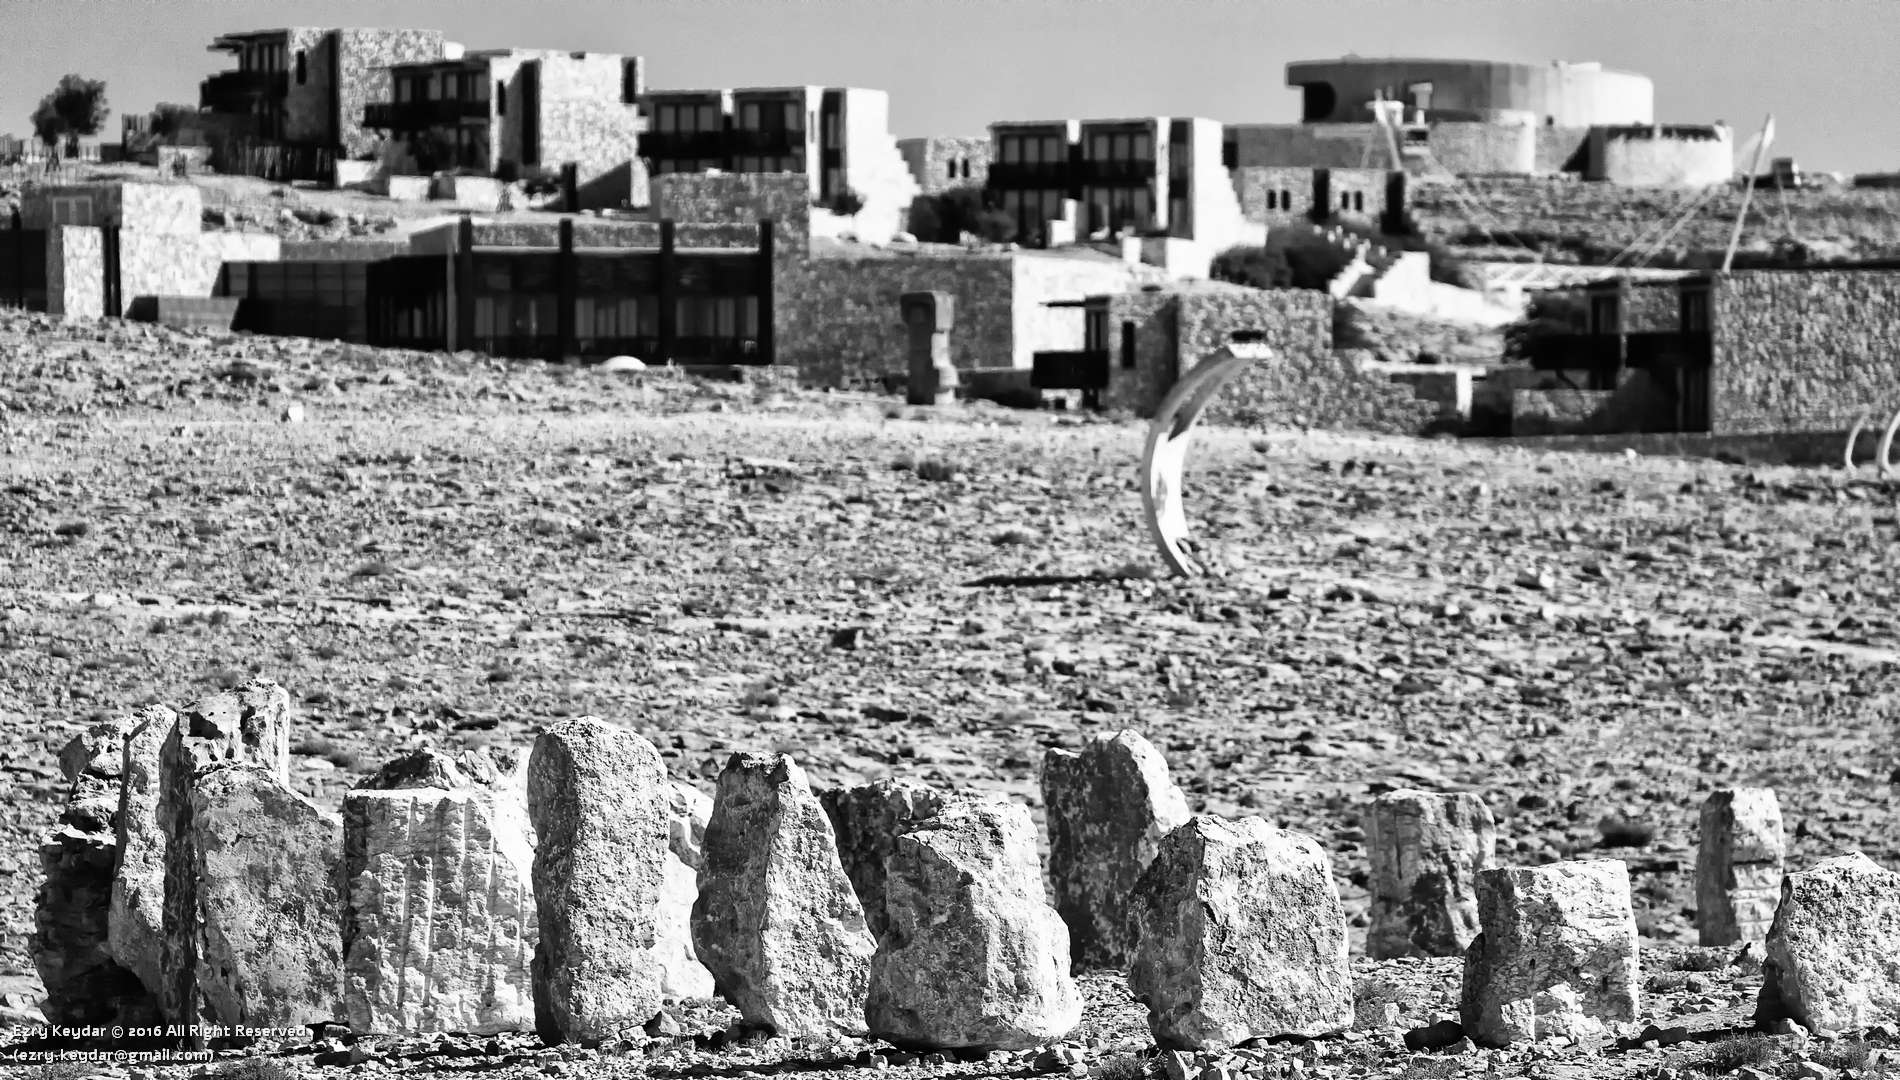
{"type": "Point", "coordinates": [1154, 176]}
{"type": "Point", "coordinates": [1748, 352]}
{"type": "Point", "coordinates": [939, 163]}
{"type": "Point", "coordinates": [1137, 344]}
{"type": "Point", "coordinates": [1476, 117]}
{"type": "Point", "coordinates": [295, 102]}
{"type": "Point", "coordinates": [837, 138]}
{"type": "Point", "coordinates": [518, 112]}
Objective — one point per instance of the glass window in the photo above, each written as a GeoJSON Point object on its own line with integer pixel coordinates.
{"type": "Point", "coordinates": [302, 68]}
{"type": "Point", "coordinates": [1119, 149]}
{"type": "Point", "coordinates": [749, 317]}
{"type": "Point", "coordinates": [1032, 151]}
{"type": "Point", "coordinates": [501, 98]}
{"type": "Point", "coordinates": [1012, 149]}
{"type": "Point", "coordinates": [709, 118]}
{"type": "Point", "coordinates": [627, 317]}
{"type": "Point", "coordinates": [749, 116]}
{"type": "Point", "coordinates": [1143, 149]}
{"type": "Point", "coordinates": [649, 315]}
{"type": "Point", "coordinates": [950, 170]}
{"type": "Point", "coordinates": [1054, 150]}
{"type": "Point", "coordinates": [484, 316]}
{"type": "Point", "coordinates": [1098, 147]}
{"type": "Point", "coordinates": [726, 314]}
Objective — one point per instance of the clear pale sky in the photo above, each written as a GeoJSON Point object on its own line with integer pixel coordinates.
{"type": "Point", "coordinates": [1828, 69]}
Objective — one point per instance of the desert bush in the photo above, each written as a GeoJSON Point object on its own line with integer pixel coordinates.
{"type": "Point", "coordinates": [1369, 1000]}
{"type": "Point", "coordinates": [844, 203]}
{"type": "Point", "coordinates": [945, 217]}
{"type": "Point", "coordinates": [1256, 267]}
{"type": "Point", "coordinates": [937, 469]}
{"type": "Point", "coordinates": [1619, 831]}
{"type": "Point", "coordinates": [254, 1068]}
{"type": "Point", "coordinates": [1753, 1050]}
{"type": "Point", "coordinates": [1120, 1067]}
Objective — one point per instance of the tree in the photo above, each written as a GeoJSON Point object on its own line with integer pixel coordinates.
{"type": "Point", "coordinates": [946, 216]}
{"type": "Point", "coordinates": [77, 106]}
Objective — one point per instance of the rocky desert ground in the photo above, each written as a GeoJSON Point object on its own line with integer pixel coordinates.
{"type": "Point", "coordinates": [451, 551]}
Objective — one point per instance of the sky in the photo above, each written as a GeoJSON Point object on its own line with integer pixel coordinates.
{"type": "Point", "coordinates": [1829, 70]}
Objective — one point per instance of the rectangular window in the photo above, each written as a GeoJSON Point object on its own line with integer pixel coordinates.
{"type": "Point", "coordinates": [709, 118]}
{"type": "Point", "coordinates": [1012, 150]}
{"type": "Point", "coordinates": [664, 120]}
{"type": "Point", "coordinates": [484, 316]}
{"type": "Point", "coordinates": [792, 114]}
{"type": "Point", "coordinates": [749, 317]}
{"type": "Point", "coordinates": [627, 317]}
{"type": "Point", "coordinates": [1095, 329]}
{"type": "Point", "coordinates": [649, 315]}
{"type": "Point", "coordinates": [749, 116]}
{"type": "Point", "coordinates": [1143, 148]}
{"type": "Point", "coordinates": [726, 314]}
{"type": "Point", "coordinates": [1098, 147]}
{"type": "Point", "coordinates": [1119, 148]}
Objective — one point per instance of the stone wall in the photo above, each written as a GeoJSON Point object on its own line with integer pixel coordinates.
{"type": "Point", "coordinates": [75, 272]}
{"type": "Point", "coordinates": [1562, 149]}
{"type": "Point", "coordinates": [939, 163]}
{"type": "Point", "coordinates": [582, 118]}
{"type": "Point", "coordinates": [1307, 383]}
{"type": "Point", "coordinates": [152, 264]}
{"type": "Point", "coordinates": [1151, 318]}
{"type": "Point", "coordinates": [1661, 160]}
{"type": "Point", "coordinates": [1652, 307]}
{"type": "Point", "coordinates": [364, 56]}
{"type": "Point", "coordinates": [838, 322]}
{"type": "Point", "coordinates": [1803, 350]}
{"type": "Point", "coordinates": [308, 117]}
{"type": "Point", "coordinates": [1359, 194]}
{"type": "Point", "coordinates": [1469, 147]}
{"type": "Point", "coordinates": [157, 208]}
{"type": "Point", "coordinates": [1041, 277]}
{"type": "Point", "coordinates": [1342, 146]}
{"type": "Point", "coordinates": [699, 198]}
{"type": "Point", "coordinates": [1274, 194]}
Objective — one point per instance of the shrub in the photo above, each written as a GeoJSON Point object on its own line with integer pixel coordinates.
{"type": "Point", "coordinates": [253, 1068]}
{"type": "Point", "coordinates": [1618, 831]}
{"type": "Point", "coordinates": [945, 217]}
{"type": "Point", "coordinates": [1722, 1058]}
{"type": "Point", "coordinates": [845, 203]}
{"type": "Point", "coordinates": [1252, 266]}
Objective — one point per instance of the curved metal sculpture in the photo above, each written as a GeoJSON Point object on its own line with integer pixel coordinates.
{"type": "Point", "coordinates": [1166, 451]}
{"type": "Point", "coordinates": [1853, 437]}
{"type": "Point", "coordinates": [1884, 458]}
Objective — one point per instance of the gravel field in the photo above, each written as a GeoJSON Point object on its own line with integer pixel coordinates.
{"type": "Point", "coordinates": [452, 551]}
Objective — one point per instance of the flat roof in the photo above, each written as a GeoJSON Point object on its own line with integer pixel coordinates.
{"type": "Point", "coordinates": [1581, 65]}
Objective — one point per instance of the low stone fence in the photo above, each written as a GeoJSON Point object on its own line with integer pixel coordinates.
{"type": "Point", "coordinates": [569, 889]}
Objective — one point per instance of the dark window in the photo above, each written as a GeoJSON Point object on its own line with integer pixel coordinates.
{"type": "Point", "coordinates": [1345, 201]}
{"type": "Point", "coordinates": [1230, 154]}
{"type": "Point", "coordinates": [951, 168]}
{"type": "Point", "coordinates": [629, 81]}
{"type": "Point", "coordinates": [1286, 199]}
{"type": "Point", "coordinates": [303, 70]}
{"type": "Point", "coordinates": [1128, 345]}
{"type": "Point", "coordinates": [1273, 200]}
{"type": "Point", "coordinates": [501, 98]}
{"type": "Point", "coordinates": [1358, 200]}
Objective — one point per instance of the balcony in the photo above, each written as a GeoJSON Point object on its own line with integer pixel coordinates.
{"type": "Point", "coordinates": [420, 115]}
{"type": "Point", "coordinates": [1114, 173]}
{"type": "Point", "coordinates": [1030, 176]}
{"type": "Point", "coordinates": [238, 91]}
{"type": "Point", "coordinates": [1081, 369]}
{"type": "Point", "coordinates": [775, 143]}
{"type": "Point", "coordinates": [675, 145]}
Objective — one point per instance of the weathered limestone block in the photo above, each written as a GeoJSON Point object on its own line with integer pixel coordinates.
{"type": "Point", "coordinates": [1557, 955]}
{"type": "Point", "coordinates": [1738, 866]}
{"type": "Point", "coordinates": [681, 973]}
{"type": "Point", "coordinates": [974, 957]}
{"type": "Point", "coordinates": [1833, 955]}
{"type": "Point", "coordinates": [1238, 934]}
{"type": "Point", "coordinates": [249, 725]}
{"type": "Point", "coordinates": [136, 928]}
{"type": "Point", "coordinates": [928, 318]}
{"type": "Point", "coordinates": [70, 947]}
{"type": "Point", "coordinates": [268, 868]}
{"type": "Point", "coordinates": [1107, 809]}
{"type": "Point", "coordinates": [598, 799]}
{"type": "Point", "coordinates": [439, 927]}
{"type": "Point", "coordinates": [867, 820]}
{"type": "Point", "coordinates": [1426, 851]}
{"type": "Point", "coordinates": [777, 922]}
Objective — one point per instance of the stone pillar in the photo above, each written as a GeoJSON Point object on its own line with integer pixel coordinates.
{"type": "Point", "coordinates": [1107, 809]}
{"type": "Point", "coordinates": [250, 725]}
{"type": "Point", "coordinates": [598, 800]}
{"type": "Point", "coordinates": [1557, 955]}
{"type": "Point", "coordinates": [928, 317]}
{"type": "Point", "coordinates": [1426, 851]}
{"type": "Point", "coordinates": [974, 958]}
{"type": "Point", "coordinates": [777, 922]}
{"type": "Point", "coordinates": [867, 820]}
{"type": "Point", "coordinates": [136, 933]}
{"type": "Point", "coordinates": [1738, 866]}
{"type": "Point", "coordinates": [440, 927]}
{"type": "Point", "coordinates": [84, 983]}
{"type": "Point", "coordinates": [1239, 934]}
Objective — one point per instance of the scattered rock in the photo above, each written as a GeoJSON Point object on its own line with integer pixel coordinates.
{"type": "Point", "coordinates": [777, 921]}
{"type": "Point", "coordinates": [1738, 866]}
{"type": "Point", "coordinates": [867, 820]}
{"type": "Point", "coordinates": [973, 957]}
{"type": "Point", "coordinates": [598, 799]}
{"type": "Point", "coordinates": [1834, 950]}
{"type": "Point", "coordinates": [1557, 955]}
{"type": "Point", "coordinates": [1426, 851]}
{"type": "Point", "coordinates": [1107, 809]}
{"type": "Point", "coordinates": [1238, 934]}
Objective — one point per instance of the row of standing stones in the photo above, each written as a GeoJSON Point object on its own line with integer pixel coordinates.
{"type": "Point", "coordinates": [574, 891]}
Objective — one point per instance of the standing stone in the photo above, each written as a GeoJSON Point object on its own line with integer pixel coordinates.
{"type": "Point", "coordinates": [681, 973]}
{"type": "Point", "coordinates": [1833, 954]}
{"type": "Point", "coordinates": [867, 820]}
{"type": "Point", "coordinates": [928, 317]}
{"type": "Point", "coordinates": [1426, 851]}
{"type": "Point", "coordinates": [1107, 809]}
{"type": "Point", "coordinates": [440, 925]}
{"type": "Point", "coordinates": [1238, 934]}
{"type": "Point", "coordinates": [974, 957]}
{"type": "Point", "coordinates": [248, 725]}
{"type": "Point", "coordinates": [1557, 955]}
{"type": "Point", "coordinates": [777, 922]}
{"type": "Point", "coordinates": [1738, 866]}
{"type": "Point", "coordinates": [598, 800]}
{"type": "Point", "coordinates": [268, 868]}
{"type": "Point", "coordinates": [136, 928]}
{"type": "Point", "coordinates": [71, 947]}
